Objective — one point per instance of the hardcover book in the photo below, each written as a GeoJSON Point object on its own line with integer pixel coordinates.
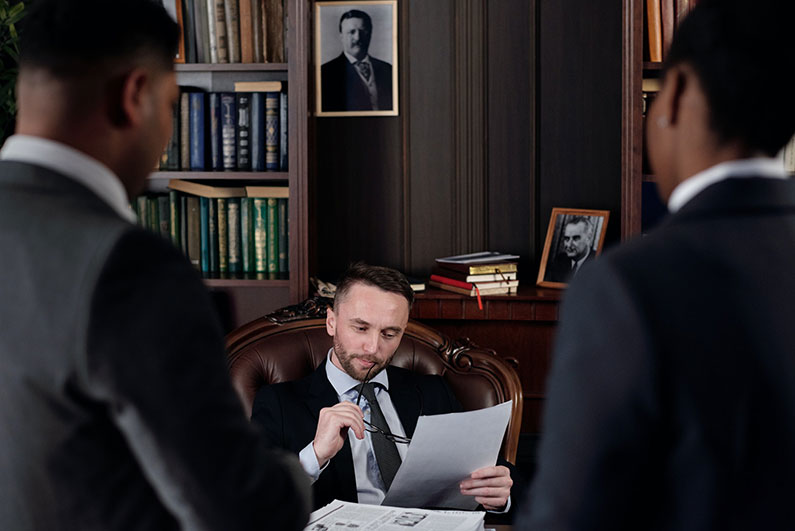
{"type": "Point", "coordinates": [232, 30]}
{"type": "Point", "coordinates": [196, 131]}
{"type": "Point", "coordinates": [228, 131]}
{"type": "Point", "coordinates": [258, 131]}
{"type": "Point", "coordinates": [243, 103]}
{"type": "Point", "coordinates": [272, 136]}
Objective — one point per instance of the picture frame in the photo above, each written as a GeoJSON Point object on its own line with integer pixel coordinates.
{"type": "Point", "coordinates": [574, 237]}
{"type": "Point", "coordinates": [354, 76]}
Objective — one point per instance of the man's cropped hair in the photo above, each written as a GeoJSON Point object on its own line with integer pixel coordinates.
{"type": "Point", "coordinates": [744, 56]}
{"type": "Point", "coordinates": [384, 278]}
{"type": "Point", "coordinates": [71, 38]}
{"type": "Point", "coordinates": [355, 13]}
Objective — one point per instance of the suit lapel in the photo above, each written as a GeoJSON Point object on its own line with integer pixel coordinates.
{"type": "Point", "coordinates": [406, 398]}
{"type": "Point", "coordinates": [338, 480]}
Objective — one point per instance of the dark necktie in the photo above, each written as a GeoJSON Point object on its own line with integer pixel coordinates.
{"type": "Point", "coordinates": [364, 68]}
{"type": "Point", "coordinates": [386, 452]}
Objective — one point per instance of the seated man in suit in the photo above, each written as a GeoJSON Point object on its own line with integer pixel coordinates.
{"type": "Point", "coordinates": [354, 80]}
{"type": "Point", "coordinates": [352, 453]}
{"type": "Point", "coordinates": [577, 248]}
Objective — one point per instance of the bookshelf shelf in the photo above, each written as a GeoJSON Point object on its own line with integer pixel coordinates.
{"type": "Point", "coordinates": [222, 175]}
{"type": "Point", "coordinates": [231, 67]}
{"type": "Point", "coordinates": [246, 283]}
{"type": "Point", "coordinates": [652, 65]}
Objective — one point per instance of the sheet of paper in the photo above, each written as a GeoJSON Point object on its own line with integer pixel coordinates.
{"type": "Point", "coordinates": [444, 450]}
{"type": "Point", "coordinates": [346, 515]}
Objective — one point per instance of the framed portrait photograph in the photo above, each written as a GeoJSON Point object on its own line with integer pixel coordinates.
{"type": "Point", "coordinates": [356, 58]}
{"type": "Point", "coordinates": [573, 238]}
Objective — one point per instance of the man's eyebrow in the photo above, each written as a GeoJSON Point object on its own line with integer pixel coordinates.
{"type": "Point", "coordinates": [360, 321]}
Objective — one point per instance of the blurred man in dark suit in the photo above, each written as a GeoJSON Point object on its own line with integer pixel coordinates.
{"type": "Point", "coordinates": [354, 80]}
{"type": "Point", "coordinates": [116, 410]}
{"type": "Point", "coordinates": [671, 401]}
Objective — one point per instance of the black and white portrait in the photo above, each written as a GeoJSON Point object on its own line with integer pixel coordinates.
{"type": "Point", "coordinates": [356, 58]}
{"type": "Point", "coordinates": [574, 238]}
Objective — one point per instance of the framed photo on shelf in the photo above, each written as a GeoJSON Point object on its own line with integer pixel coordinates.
{"type": "Point", "coordinates": [573, 238]}
{"type": "Point", "coordinates": [356, 58]}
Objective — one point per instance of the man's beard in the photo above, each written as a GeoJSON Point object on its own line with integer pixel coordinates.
{"type": "Point", "coordinates": [347, 362]}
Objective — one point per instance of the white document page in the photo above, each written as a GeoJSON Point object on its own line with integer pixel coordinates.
{"type": "Point", "coordinates": [345, 515]}
{"type": "Point", "coordinates": [445, 450]}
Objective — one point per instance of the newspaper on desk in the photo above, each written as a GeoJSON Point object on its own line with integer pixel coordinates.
{"type": "Point", "coordinates": [339, 515]}
{"type": "Point", "coordinates": [444, 450]}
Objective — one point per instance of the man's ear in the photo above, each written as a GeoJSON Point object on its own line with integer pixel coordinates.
{"type": "Point", "coordinates": [131, 98]}
{"type": "Point", "coordinates": [331, 321]}
{"type": "Point", "coordinates": [677, 78]}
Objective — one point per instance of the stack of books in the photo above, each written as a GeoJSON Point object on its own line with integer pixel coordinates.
{"type": "Point", "coordinates": [476, 274]}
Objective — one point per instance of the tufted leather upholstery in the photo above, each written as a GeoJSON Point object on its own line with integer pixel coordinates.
{"type": "Point", "coordinates": [261, 353]}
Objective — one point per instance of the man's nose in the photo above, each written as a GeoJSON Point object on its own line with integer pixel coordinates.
{"type": "Point", "coordinates": [370, 343]}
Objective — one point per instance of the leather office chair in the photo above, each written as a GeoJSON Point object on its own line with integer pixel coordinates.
{"type": "Point", "coordinates": [261, 352]}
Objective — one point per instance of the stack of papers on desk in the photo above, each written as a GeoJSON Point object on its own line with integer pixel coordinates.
{"type": "Point", "coordinates": [346, 515]}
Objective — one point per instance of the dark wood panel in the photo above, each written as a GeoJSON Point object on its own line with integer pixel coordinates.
{"type": "Point", "coordinates": [511, 118]}
{"type": "Point", "coordinates": [579, 81]}
{"type": "Point", "coordinates": [430, 165]}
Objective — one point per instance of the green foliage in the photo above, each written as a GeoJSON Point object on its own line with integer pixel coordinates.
{"type": "Point", "coordinates": [10, 15]}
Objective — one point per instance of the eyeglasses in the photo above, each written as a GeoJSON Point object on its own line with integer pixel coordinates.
{"type": "Point", "coordinates": [372, 428]}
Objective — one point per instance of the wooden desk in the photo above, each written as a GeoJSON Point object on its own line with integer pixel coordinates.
{"type": "Point", "coordinates": [519, 326]}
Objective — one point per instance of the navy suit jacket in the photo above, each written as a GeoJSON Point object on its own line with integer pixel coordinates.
{"type": "Point", "coordinates": [344, 90]}
{"type": "Point", "coordinates": [289, 411]}
{"type": "Point", "coordinates": [671, 399]}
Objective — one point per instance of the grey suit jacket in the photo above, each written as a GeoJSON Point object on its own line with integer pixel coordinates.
{"type": "Point", "coordinates": [671, 401]}
{"type": "Point", "coordinates": [116, 412]}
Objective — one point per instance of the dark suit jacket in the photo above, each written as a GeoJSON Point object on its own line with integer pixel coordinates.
{"type": "Point", "coordinates": [559, 269]}
{"type": "Point", "coordinates": [289, 413]}
{"type": "Point", "coordinates": [116, 411]}
{"type": "Point", "coordinates": [671, 401]}
{"type": "Point", "coordinates": [344, 90]}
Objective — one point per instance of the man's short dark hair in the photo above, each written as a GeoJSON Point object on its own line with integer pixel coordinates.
{"type": "Point", "coordinates": [355, 13]}
{"type": "Point", "coordinates": [384, 278]}
{"type": "Point", "coordinates": [744, 56]}
{"type": "Point", "coordinates": [70, 38]}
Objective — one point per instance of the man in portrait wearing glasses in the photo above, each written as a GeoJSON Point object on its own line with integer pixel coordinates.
{"type": "Point", "coordinates": [352, 453]}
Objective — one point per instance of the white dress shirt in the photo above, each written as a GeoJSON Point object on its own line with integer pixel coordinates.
{"type": "Point", "coordinates": [763, 167]}
{"type": "Point", "coordinates": [73, 164]}
{"type": "Point", "coordinates": [369, 486]}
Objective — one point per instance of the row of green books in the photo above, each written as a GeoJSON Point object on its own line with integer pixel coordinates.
{"type": "Point", "coordinates": [235, 237]}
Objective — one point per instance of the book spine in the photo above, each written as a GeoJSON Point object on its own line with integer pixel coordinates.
{"type": "Point", "coordinates": [246, 31]}
{"type": "Point", "coordinates": [216, 136]}
{"type": "Point", "coordinates": [170, 158]}
{"type": "Point", "coordinates": [258, 131]}
{"type": "Point", "coordinates": [452, 282]}
{"type": "Point", "coordinates": [173, 211]}
{"type": "Point", "coordinates": [283, 131]}
{"type": "Point", "coordinates": [273, 236]}
{"type": "Point", "coordinates": [183, 223]}
{"type": "Point", "coordinates": [164, 216]}
{"type": "Point", "coordinates": [194, 231]}
{"type": "Point", "coordinates": [212, 34]}
{"type": "Point", "coordinates": [204, 220]}
{"type": "Point", "coordinates": [223, 236]}
{"type": "Point", "coordinates": [202, 32]}
{"type": "Point", "coordinates": [272, 136]}
{"type": "Point", "coordinates": [154, 214]}
{"type": "Point", "coordinates": [196, 131]}
{"type": "Point", "coordinates": [257, 30]}
{"type": "Point", "coordinates": [246, 235]}
{"type": "Point", "coordinates": [228, 135]}
{"type": "Point", "coordinates": [668, 16]}
{"type": "Point", "coordinates": [233, 224]}
{"type": "Point", "coordinates": [260, 212]}
{"type": "Point", "coordinates": [143, 211]}
{"type": "Point", "coordinates": [653, 17]}
{"type": "Point", "coordinates": [189, 28]}
{"type": "Point", "coordinates": [213, 236]}
{"type": "Point", "coordinates": [274, 32]}
{"type": "Point", "coordinates": [184, 127]}
{"type": "Point", "coordinates": [243, 103]}
{"type": "Point", "coordinates": [231, 13]}
{"type": "Point", "coordinates": [220, 31]}
{"type": "Point", "coordinates": [284, 264]}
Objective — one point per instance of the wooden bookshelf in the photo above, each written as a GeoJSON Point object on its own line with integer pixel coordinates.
{"type": "Point", "coordinates": [249, 297]}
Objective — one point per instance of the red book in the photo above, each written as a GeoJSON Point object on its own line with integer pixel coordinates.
{"type": "Point", "coordinates": [469, 285]}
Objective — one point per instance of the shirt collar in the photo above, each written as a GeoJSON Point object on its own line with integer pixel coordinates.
{"type": "Point", "coordinates": [772, 168]}
{"type": "Point", "coordinates": [353, 60]}
{"type": "Point", "coordinates": [72, 163]}
{"type": "Point", "coordinates": [342, 382]}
